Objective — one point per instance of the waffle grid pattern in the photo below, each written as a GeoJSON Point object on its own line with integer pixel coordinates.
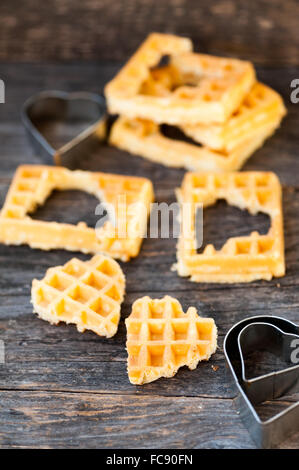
{"type": "Point", "coordinates": [32, 185]}
{"type": "Point", "coordinates": [88, 294]}
{"type": "Point", "coordinates": [161, 338]}
{"type": "Point", "coordinates": [241, 259]}
{"type": "Point", "coordinates": [261, 108]}
{"type": "Point", "coordinates": [145, 139]}
{"type": "Point", "coordinates": [199, 88]}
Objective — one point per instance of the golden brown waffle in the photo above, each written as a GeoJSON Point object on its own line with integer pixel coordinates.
{"type": "Point", "coordinates": [161, 338]}
{"type": "Point", "coordinates": [195, 88]}
{"type": "Point", "coordinates": [88, 294]}
{"type": "Point", "coordinates": [32, 185]}
{"type": "Point", "coordinates": [241, 259]}
{"type": "Point", "coordinates": [145, 139]}
{"type": "Point", "coordinates": [262, 109]}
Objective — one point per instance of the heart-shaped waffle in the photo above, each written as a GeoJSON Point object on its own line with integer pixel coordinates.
{"type": "Point", "coordinates": [161, 338]}
{"type": "Point", "coordinates": [88, 294]}
{"type": "Point", "coordinates": [280, 337]}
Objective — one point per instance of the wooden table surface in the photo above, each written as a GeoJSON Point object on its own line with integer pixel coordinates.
{"type": "Point", "coordinates": [60, 388]}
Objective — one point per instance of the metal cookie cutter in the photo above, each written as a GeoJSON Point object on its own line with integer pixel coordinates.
{"type": "Point", "coordinates": [58, 106]}
{"type": "Point", "coordinates": [277, 336]}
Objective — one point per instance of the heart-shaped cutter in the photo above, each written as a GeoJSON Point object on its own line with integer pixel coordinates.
{"type": "Point", "coordinates": [58, 105]}
{"type": "Point", "coordinates": [275, 334]}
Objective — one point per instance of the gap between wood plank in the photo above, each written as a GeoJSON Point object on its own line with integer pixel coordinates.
{"type": "Point", "coordinates": [112, 394]}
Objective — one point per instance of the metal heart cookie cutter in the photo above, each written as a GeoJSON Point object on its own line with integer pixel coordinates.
{"type": "Point", "coordinates": [59, 106]}
{"type": "Point", "coordinates": [277, 336]}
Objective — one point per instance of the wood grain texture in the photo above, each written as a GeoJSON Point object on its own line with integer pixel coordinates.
{"type": "Point", "coordinates": [60, 388]}
{"type": "Point", "coordinates": [77, 420]}
{"type": "Point", "coordinates": [263, 31]}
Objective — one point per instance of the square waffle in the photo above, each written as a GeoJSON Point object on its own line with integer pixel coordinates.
{"type": "Point", "coordinates": [88, 294]}
{"type": "Point", "coordinates": [145, 139]}
{"type": "Point", "coordinates": [192, 88]}
{"type": "Point", "coordinates": [241, 259]}
{"type": "Point", "coordinates": [261, 109]}
{"type": "Point", "coordinates": [32, 185]}
{"type": "Point", "coordinates": [161, 338]}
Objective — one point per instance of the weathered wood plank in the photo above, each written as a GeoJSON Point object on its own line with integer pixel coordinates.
{"type": "Point", "coordinates": [44, 360]}
{"type": "Point", "coordinates": [278, 154]}
{"type": "Point", "coordinates": [156, 254]}
{"type": "Point", "coordinates": [88, 420]}
{"type": "Point", "coordinates": [262, 31]}
{"type": "Point", "coordinates": [84, 420]}
{"type": "Point", "coordinates": [44, 357]}
{"type": "Point", "coordinates": [76, 420]}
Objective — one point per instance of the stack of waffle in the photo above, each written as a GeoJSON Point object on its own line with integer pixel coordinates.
{"type": "Point", "coordinates": [185, 109]}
